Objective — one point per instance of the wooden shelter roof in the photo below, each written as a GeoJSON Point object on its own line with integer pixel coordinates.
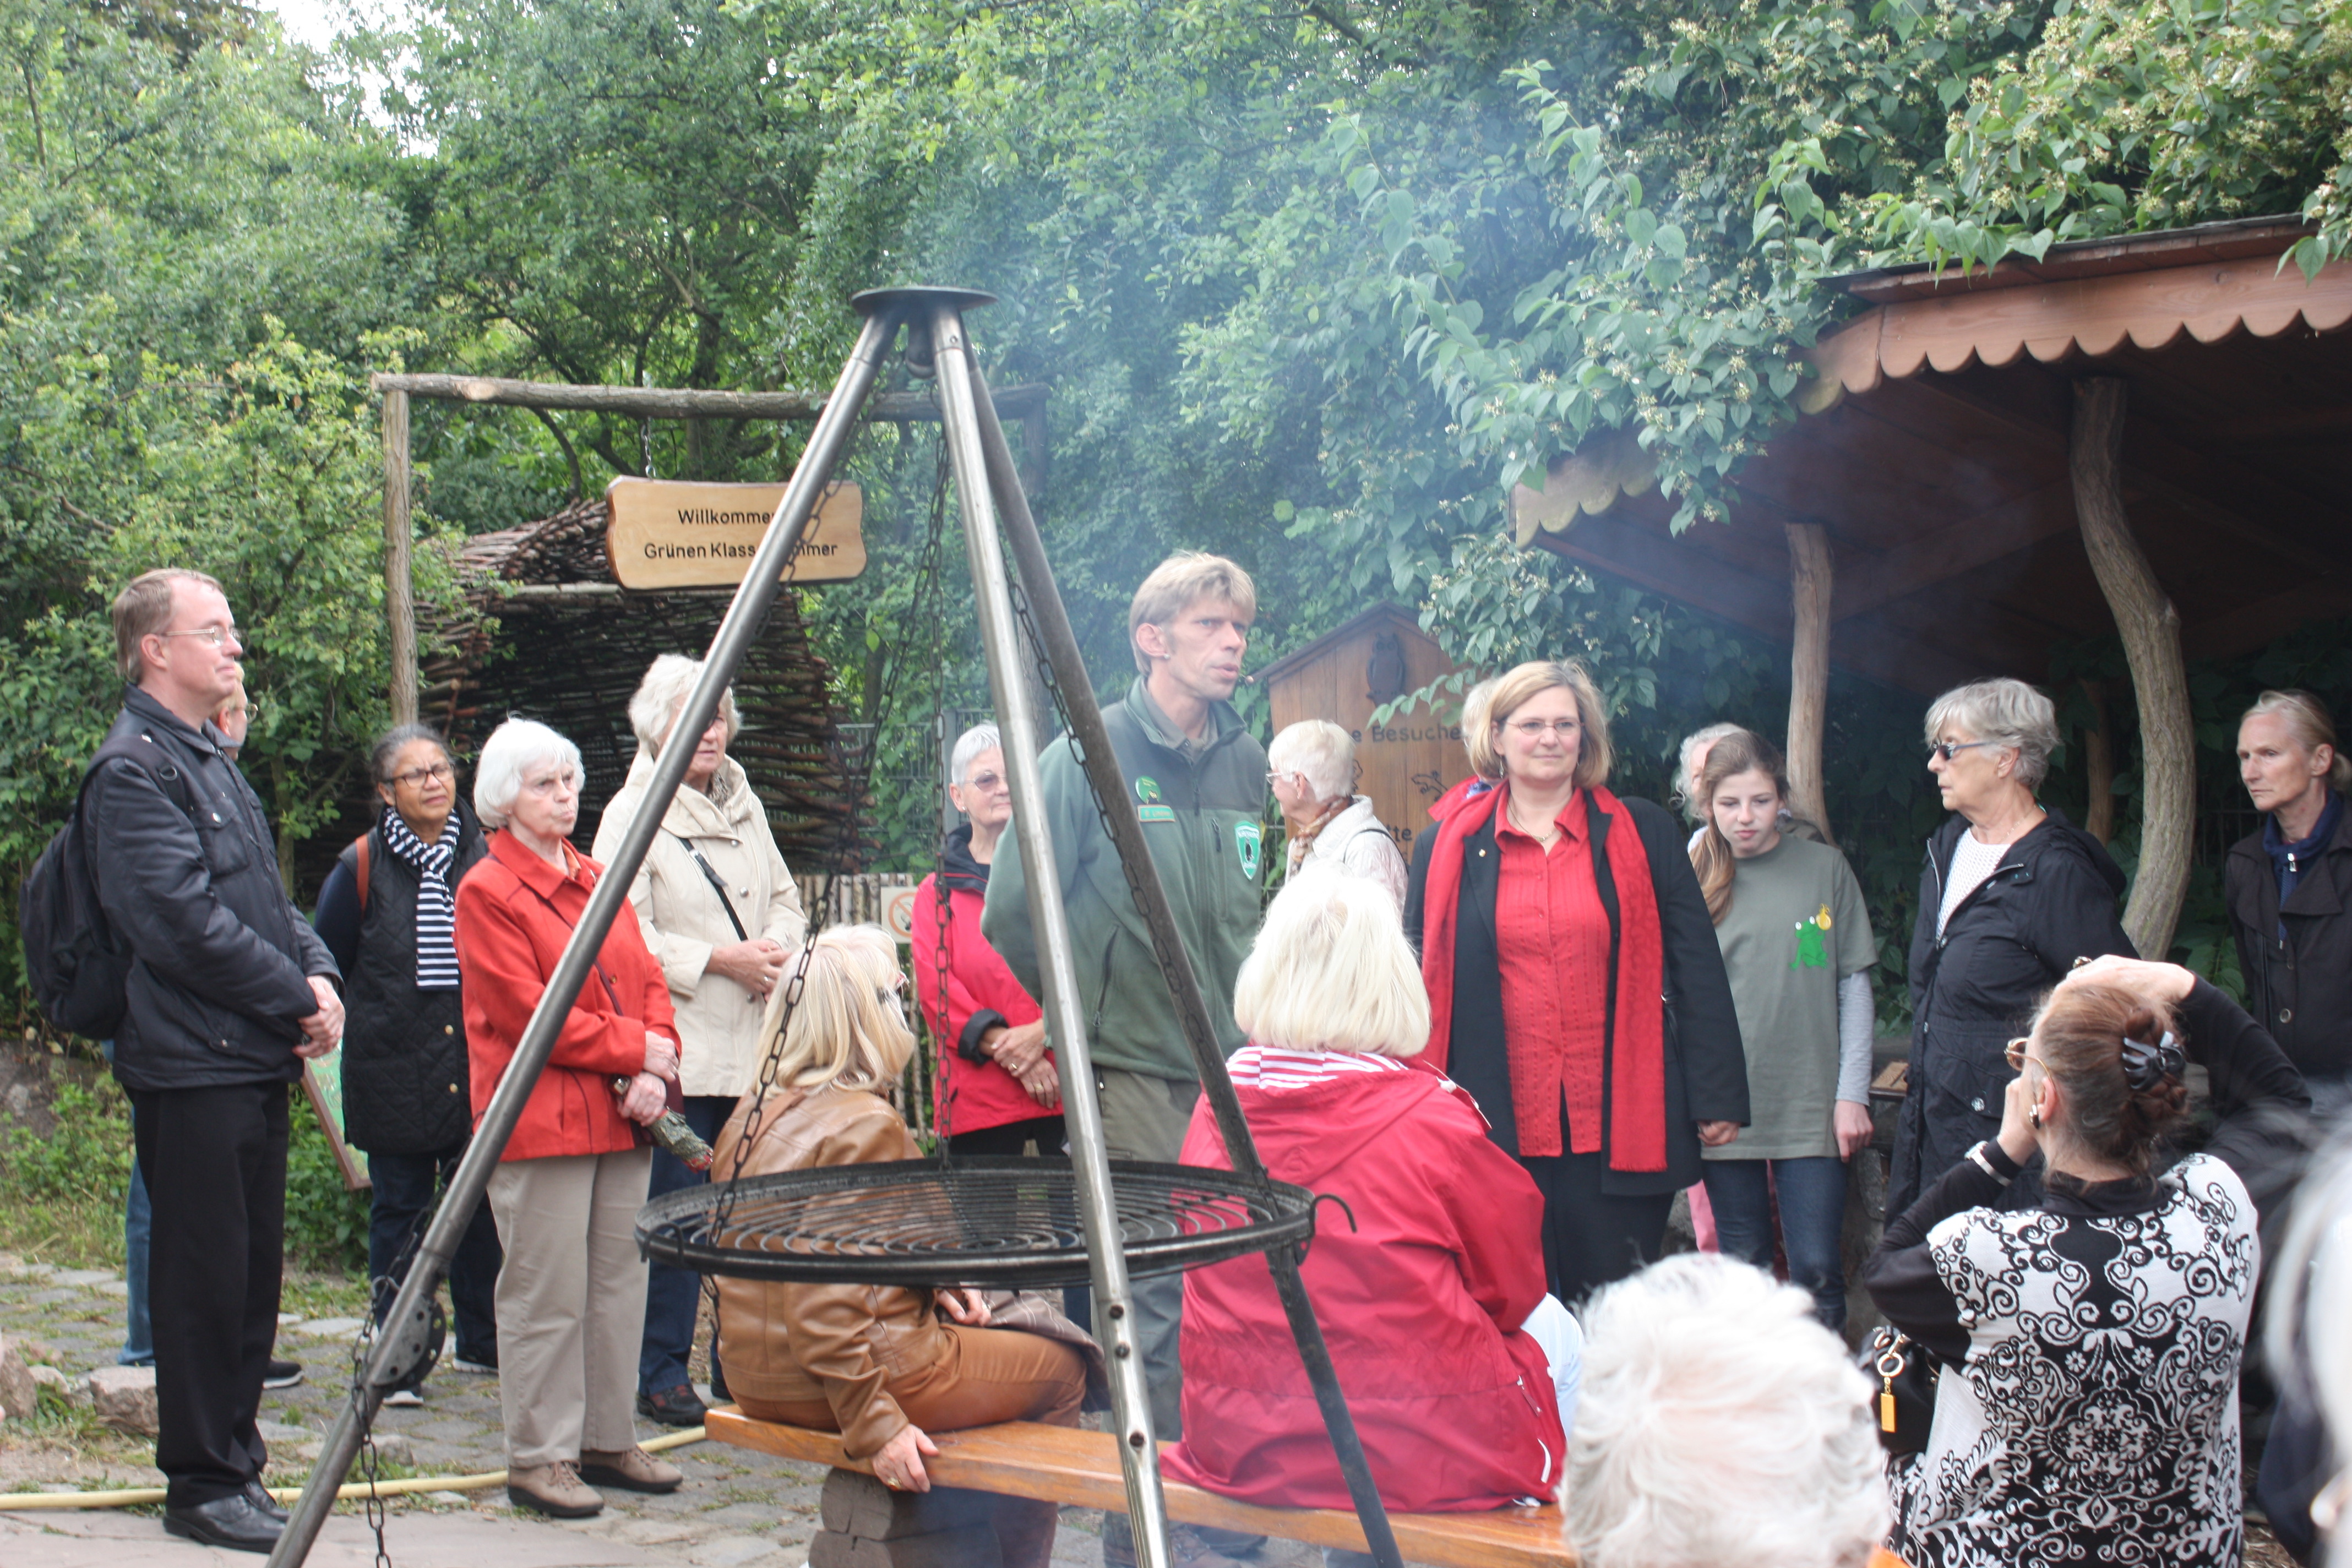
{"type": "Point", "coordinates": [554, 638]}
{"type": "Point", "coordinates": [1935, 453]}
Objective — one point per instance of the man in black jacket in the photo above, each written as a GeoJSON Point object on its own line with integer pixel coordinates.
{"type": "Point", "coordinates": [229, 988]}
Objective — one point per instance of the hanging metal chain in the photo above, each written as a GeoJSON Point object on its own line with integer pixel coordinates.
{"type": "Point", "coordinates": [920, 609]}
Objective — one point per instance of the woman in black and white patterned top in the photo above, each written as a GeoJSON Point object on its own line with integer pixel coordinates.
{"type": "Point", "coordinates": [2088, 1412]}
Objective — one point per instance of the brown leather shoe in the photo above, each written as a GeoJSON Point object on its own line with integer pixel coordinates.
{"type": "Point", "coordinates": [632, 1471]}
{"type": "Point", "coordinates": [555, 1490]}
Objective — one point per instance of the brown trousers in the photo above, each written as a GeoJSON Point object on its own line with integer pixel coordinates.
{"type": "Point", "coordinates": [988, 1375]}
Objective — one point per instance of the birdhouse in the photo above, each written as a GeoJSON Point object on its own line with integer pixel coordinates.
{"type": "Point", "coordinates": [1405, 764]}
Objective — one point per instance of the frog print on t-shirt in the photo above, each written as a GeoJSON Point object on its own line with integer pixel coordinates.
{"type": "Point", "coordinates": [1812, 942]}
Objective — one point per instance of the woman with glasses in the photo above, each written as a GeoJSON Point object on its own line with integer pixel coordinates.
{"type": "Point", "coordinates": [997, 1089]}
{"type": "Point", "coordinates": [388, 913]}
{"type": "Point", "coordinates": [2011, 896]}
{"type": "Point", "coordinates": [882, 1365]}
{"type": "Point", "coordinates": [2091, 1338]}
{"type": "Point", "coordinates": [572, 1295]}
{"type": "Point", "coordinates": [1575, 986]}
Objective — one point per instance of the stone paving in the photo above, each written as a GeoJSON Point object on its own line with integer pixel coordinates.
{"type": "Point", "coordinates": [737, 1510]}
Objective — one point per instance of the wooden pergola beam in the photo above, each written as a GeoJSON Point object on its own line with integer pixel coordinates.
{"type": "Point", "coordinates": [681, 403]}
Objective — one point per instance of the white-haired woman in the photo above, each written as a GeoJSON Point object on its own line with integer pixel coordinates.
{"type": "Point", "coordinates": [1720, 1422]}
{"type": "Point", "coordinates": [2011, 895]}
{"type": "Point", "coordinates": [571, 1292]}
{"type": "Point", "coordinates": [878, 1365]}
{"type": "Point", "coordinates": [721, 914]}
{"type": "Point", "coordinates": [997, 1091]}
{"type": "Point", "coordinates": [1427, 1299]}
{"type": "Point", "coordinates": [1312, 769]}
{"type": "Point", "coordinates": [2290, 889]}
{"type": "Point", "coordinates": [1575, 984]}
{"type": "Point", "coordinates": [2092, 1339]}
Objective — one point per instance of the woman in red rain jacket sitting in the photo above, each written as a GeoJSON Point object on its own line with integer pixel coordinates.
{"type": "Point", "coordinates": [1434, 1300]}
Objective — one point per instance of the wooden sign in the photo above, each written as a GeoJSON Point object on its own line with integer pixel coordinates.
{"type": "Point", "coordinates": [1345, 675]}
{"type": "Point", "coordinates": [322, 1080]}
{"type": "Point", "coordinates": [665, 533]}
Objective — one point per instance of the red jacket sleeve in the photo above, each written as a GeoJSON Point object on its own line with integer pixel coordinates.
{"type": "Point", "coordinates": [1497, 1217]}
{"type": "Point", "coordinates": [931, 960]}
{"type": "Point", "coordinates": [501, 965]}
{"type": "Point", "coordinates": [654, 1007]}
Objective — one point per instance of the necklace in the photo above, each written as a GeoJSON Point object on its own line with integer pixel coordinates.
{"type": "Point", "coordinates": [1544, 836]}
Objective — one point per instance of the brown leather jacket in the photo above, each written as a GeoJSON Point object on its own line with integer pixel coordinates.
{"type": "Point", "coordinates": [842, 1344]}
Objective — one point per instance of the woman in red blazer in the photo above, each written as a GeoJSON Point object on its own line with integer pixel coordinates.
{"type": "Point", "coordinates": [571, 1293]}
{"type": "Point", "coordinates": [1454, 1363]}
{"type": "Point", "coordinates": [997, 1089]}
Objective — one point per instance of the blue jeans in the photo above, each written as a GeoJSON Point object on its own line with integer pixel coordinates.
{"type": "Point", "coordinates": [138, 1222]}
{"type": "Point", "coordinates": [400, 1209]}
{"type": "Point", "coordinates": [1811, 1193]}
{"type": "Point", "coordinates": [670, 1292]}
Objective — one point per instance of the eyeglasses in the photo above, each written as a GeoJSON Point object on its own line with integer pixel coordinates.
{"type": "Point", "coordinates": [2015, 1054]}
{"type": "Point", "coordinates": [1535, 729]}
{"type": "Point", "coordinates": [986, 784]}
{"type": "Point", "coordinates": [214, 636]}
{"type": "Point", "coordinates": [414, 777]}
{"type": "Point", "coordinates": [1947, 750]}
{"type": "Point", "coordinates": [1277, 775]}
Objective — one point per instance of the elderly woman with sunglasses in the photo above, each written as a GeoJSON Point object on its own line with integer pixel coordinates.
{"type": "Point", "coordinates": [2091, 1339]}
{"type": "Point", "coordinates": [2011, 896]}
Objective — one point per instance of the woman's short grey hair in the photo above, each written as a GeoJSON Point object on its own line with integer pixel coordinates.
{"type": "Point", "coordinates": [1320, 750]}
{"type": "Point", "coordinates": [1331, 971]}
{"type": "Point", "coordinates": [1718, 1422]}
{"type": "Point", "coordinates": [514, 749]}
{"type": "Point", "coordinates": [2006, 713]}
{"type": "Point", "coordinates": [396, 740]}
{"type": "Point", "coordinates": [1686, 763]}
{"type": "Point", "coordinates": [970, 746]}
{"type": "Point", "coordinates": [654, 709]}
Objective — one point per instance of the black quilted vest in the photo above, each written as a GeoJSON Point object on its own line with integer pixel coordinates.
{"type": "Point", "coordinates": [407, 1089]}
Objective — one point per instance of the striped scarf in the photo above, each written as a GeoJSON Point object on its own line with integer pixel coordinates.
{"type": "Point", "coordinates": [436, 911]}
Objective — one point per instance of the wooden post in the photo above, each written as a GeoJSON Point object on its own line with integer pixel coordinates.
{"type": "Point", "coordinates": [2151, 632]}
{"type": "Point", "coordinates": [399, 591]}
{"type": "Point", "coordinates": [2099, 765]}
{"type": "Point", "coordinates": [1810, 581]}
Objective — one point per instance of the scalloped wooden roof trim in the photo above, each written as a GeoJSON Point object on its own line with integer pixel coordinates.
{"type": "Point", "coordinates": [2092, 316]}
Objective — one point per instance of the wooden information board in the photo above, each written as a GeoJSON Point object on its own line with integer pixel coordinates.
{"type": "Point", "coordinates": [667, 534]}
{"type": "Point", "coordinates": [322, 1080]}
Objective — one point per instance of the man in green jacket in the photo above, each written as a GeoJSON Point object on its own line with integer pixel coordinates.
{"type": "Point", "coordinates": [1198, 779]}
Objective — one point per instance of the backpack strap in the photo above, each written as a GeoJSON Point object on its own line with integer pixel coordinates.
{"type": "Point", "coordinates": [360, 845]}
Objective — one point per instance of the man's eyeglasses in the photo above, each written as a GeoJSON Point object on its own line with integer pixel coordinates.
{"type": "Point", "coordinates": [1534, 729]}
{"type": "Point", "coordinates": [214, 636]}
{"type": "Point", "coordinates": [414, 777]}
{"type": "Point", "coordinates": [1947, 750]}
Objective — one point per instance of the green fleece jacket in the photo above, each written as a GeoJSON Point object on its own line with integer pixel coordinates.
{"type": "Point", "coordinates": [1200, 803]}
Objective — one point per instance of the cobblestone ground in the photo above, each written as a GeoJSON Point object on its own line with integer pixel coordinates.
{"type": "Point", "coordinates": [737, 1507]}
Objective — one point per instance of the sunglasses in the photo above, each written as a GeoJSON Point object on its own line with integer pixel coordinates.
{"type": "Point", "coordinates": [1947, 750]}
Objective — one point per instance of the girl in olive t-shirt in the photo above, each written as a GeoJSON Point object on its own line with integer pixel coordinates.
{"type": "Point", "coordinates": [1797, 945]}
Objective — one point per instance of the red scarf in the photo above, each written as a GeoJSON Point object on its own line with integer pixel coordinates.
{"type": "Point", "coordinates": [1637, 1048]}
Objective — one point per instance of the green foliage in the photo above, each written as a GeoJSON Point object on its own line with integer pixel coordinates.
{"type": "Point", "coordinates": [326, 1222]}
{"type": "Point", "coordinates": [87, 1156]}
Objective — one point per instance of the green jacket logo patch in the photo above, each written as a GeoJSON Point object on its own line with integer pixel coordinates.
{"type": "Point", "coordinates": [1146, 790]}
{"type": "Point", "coordinates": [1247, 839]}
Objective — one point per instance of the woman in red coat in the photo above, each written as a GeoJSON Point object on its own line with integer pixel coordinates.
{"type": "Point", "coordinates": [1426, 1301]}
{"type": "Point", "coordinates": [997, 1089]}
{"type": "Point", "coordinates": [571, 1293]}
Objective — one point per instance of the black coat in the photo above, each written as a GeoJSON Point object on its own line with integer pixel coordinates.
{"type": "Point", "coordinates": [1706, 1067]}
{"type": "Point", "coordinates": [407, 1085]}
{"type": "Point", "coordinates": [1974, 987]}
{"type": "Point", "coordinates": [2301, 988]}
{"type": "Point", "coordinates": [219, 977]}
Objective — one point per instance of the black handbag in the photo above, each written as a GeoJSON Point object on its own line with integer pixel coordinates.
{"type": "Point", "coordinates": [1904, 1402]}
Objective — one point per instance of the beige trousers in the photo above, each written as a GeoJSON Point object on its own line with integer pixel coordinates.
{"type": "Point", "coordinates": [571, 1304]}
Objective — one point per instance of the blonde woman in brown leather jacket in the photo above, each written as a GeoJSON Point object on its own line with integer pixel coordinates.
{"type": "Point", "coordinates": [877, 1363]}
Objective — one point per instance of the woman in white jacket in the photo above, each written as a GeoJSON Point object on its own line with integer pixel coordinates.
{"type": "Point", "coordinates": [722, 916]}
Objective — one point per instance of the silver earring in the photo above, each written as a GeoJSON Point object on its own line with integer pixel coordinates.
{"type": "Point", "coordinates": [2033, 1116]}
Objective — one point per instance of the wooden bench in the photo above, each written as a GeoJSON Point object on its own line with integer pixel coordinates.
{"type": "Point", "coordinates": [1080, 1468]}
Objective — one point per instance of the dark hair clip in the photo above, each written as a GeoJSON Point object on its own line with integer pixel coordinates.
{"type": "Point", "coordinates": [2146, 1066]}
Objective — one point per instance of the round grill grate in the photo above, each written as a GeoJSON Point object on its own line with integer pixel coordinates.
{"type": "Point", "coordinates": [997, 1223]}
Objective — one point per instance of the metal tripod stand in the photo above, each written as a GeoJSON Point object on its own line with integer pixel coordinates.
{"type": "Point", "coordinates": [986, 485]}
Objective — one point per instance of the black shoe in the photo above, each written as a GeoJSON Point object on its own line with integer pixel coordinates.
{"type": "Point", "coordinates": [673, 1406]}
{"type": "Point", "coordinates": [264, 1501]}
{"type": "Point", "coordinates": [231, 1521]}
{"type": "Point", "coordinates": [282, 1373]}
{"type": "Point", "coordinates": [719, 1394]}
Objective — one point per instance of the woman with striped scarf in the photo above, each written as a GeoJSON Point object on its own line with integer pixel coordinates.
{"type": "Point", "coordinates": [388, 914]}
